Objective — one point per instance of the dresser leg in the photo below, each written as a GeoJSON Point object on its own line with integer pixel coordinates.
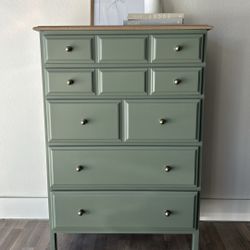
{"type": "Point", "coordinates": [53, 241]}
{"type": "Point", "coordinates": [195, 240]}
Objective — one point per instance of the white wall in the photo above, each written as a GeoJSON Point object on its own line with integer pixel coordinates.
{"type": "Point", "coordinates": [22, 143]}
{"type": "Point", "coordinates": [226, 173]}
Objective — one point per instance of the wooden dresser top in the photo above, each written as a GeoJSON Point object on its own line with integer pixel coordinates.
{"type": "Point", "coordinates": [132, 27]}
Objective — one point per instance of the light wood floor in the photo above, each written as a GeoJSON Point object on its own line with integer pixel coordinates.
{"type": "Point", "coordinates": [34, 235]}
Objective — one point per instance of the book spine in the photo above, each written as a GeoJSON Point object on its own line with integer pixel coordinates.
{"type": "Point", "coordinates": [155, 16]}
{"type": "Point", "coordinates": [154, 22]}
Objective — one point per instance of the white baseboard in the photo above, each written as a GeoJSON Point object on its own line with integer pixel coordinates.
{"type": "Point", "coordinates": [224, 210]}
{"type": "Point", "coordinates": [211, 209]}
{"type": "Point", "coordinates": [24, 207]}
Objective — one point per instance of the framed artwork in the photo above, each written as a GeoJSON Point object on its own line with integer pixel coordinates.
{"type": "Point", "coordinates": [114, 12]}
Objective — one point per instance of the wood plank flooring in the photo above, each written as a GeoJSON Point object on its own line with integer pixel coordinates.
{"type": "Point", "coordinates": [34, 235]}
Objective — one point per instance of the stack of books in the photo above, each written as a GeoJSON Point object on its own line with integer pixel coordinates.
{"type": "Point", "coordinates": [155, 19]}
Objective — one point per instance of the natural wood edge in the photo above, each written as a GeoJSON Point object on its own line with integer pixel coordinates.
{"type": "Point", "coordinates": [136, 27]}
{"type": "Point", "coordinates": [92, 12]}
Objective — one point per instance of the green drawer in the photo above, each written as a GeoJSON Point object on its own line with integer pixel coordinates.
{"type": "Point", "coordinates": [80, 49]}
{"type": "Point", "coordinates": [69, 81]}
{"type": "Point", "coordinates": [172, 120]}
{"type": "Point", "coordinates": [179, 81]}
{"type": "Point", "coordinates": [122, 49]}
{"type": "Point", "coordinates": [123, 211]}
{"type": "Point", "coordinates": [122, 81]}
{"type": "Point", "coordinates": [177, 48]}
{"type": "Point", "coordinates": [84, 120]}
{"type": "Point", "coordinates": [124, 167]}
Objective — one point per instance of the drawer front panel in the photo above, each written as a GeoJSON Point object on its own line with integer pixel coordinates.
{"type": "Point", "coordinates": [69, 49]}
{"type": "Point", "coordinates": [179, 49]}
{"type": "Point", "coordinates": [124, 167]}
{"type": "Point", "coordinates": [84, 120]}
{"type": "Point", "coordinates": [70, 81]}
{"type": "Point", "coordinates": [124, 211]}
{"type": "Point", "coordinates": [177, 81]}
{"type": "Point", "coordinates": [176, 120]}
{"type": "Point", "coordinates": [122, 49]}
{"type": "Point", "coordinates": [122, 81]}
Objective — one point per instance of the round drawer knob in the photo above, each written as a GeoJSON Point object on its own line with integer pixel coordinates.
{"type": "Point", "coordinates": [177, 81]}
{"type": "Point", "coordinates": [162, 121]}
{"type": "Point", "coordinates": [68, 48]}
{"type": "Point", "coordinates": [81, 212]}
{"type": "Point", "coordinates": [178, 48]}
{"type": "Point", "coordinates": [70, 82]}
{"type": "Point", "coordinates": [79, 168]}
{"type": "Point", "coordinates": [168, 169]}
{"type": "Point", "coordinates": [167, 213]}
{"type": "Point", "coordinates": [84, 122]}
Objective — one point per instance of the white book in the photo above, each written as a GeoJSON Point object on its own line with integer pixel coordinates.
{"type": "Point", "coordinates": [133, 16]}
{"type": "Point", "coordinates": [155, 21]}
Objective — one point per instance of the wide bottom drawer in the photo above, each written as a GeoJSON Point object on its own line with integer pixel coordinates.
{"type": "Point", "coordinates": [133, 212]}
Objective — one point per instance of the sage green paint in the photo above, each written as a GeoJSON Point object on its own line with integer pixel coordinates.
{"type": "Point", "coordinates": [82, 49]}
{"type": "Point", "coordinates": [127, 81]}
{"type": "Point", "coordinates": [109, 99]}
{"type": "Point", "coordinates": [163, 48]}
{"type": "Point", "coordinates": [127, 167]}
{"type": "Point", "coordinates": [162, 81]}
{"type": "Point", "coordinates": [182, 120]}
{"type": "Point", "coordinates": [122, 49]}
{"type": "Point", "coordinates": [123, 211]}
{"type": "Point", "coordinates": [83, 81]}
{"type": "Point", "coordinates": [103, 121]}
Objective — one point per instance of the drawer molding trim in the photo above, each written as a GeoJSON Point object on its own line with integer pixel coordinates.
{"type": "Point", "coordinates": [134, 86]}
{"type": "Point", "coordinates": [101, 49]}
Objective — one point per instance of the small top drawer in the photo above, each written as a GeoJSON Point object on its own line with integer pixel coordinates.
{"type": "Point", "coordinates": [177, 49]}
{"type": "Point", "coordinates": [122, 49]}
{"type": "Point", "coordinates": [69, 82]}
{"type": "Point", "coordinates": [69, 49]}
{"type": "Point", "coordinates": [176, 81]}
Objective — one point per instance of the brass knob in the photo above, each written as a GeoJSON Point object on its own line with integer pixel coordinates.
{"type": "Point", "coordinates": [79, 168]}
{"type": "Point", "coordinates": [70, 82]}
{"type": "Point", "coordinates": [81, 212]}
{"type": "Point", "coordinates": [167, 168]}
{"type": "Point", "coordinates": [168, 213]}
{"type": "Point", "coordinates": [162, 121]}
{"type": "Point", "coordinates": [68, 48]}
{"type": "Point", "coordinates": [84, 121]}
{"type": "Point", "coordinates": [178, 48]}
{"type": "Point", "coordinates": [177, 81]}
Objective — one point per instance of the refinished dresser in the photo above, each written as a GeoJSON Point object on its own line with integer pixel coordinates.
{"type": "Point", "coordinates": [123, 118]}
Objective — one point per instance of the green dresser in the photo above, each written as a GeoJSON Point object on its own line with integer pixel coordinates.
{"type": "Point", "coordinates": [123, 117]}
